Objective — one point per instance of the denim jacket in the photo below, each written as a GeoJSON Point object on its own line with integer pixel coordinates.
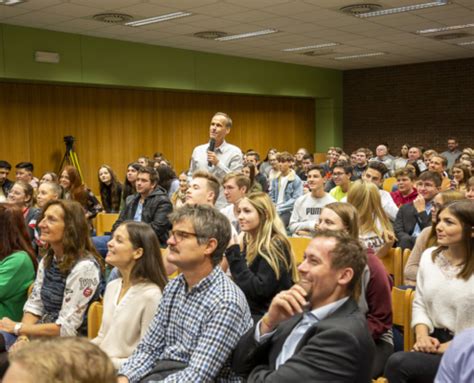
{"type": "Point", "coordinates": [293, 190]}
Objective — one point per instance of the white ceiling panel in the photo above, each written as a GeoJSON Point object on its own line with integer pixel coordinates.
{"type": "Point", "coordinates": [300, 23]}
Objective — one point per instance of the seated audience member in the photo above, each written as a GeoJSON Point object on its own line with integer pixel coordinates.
{"type": "Point", "coordinates": [144, 161]}
{"type": "Point", "coordinates": [361, 163]}
{"type": "Point", "coordinates": [381, 155]}
{"type": "Point", "coordinates": [178, 198]}
{"type": "Point", "coordinates": [375, 229]}
{"type": "Point", "coordinates": [67, 280]}
{"type": "Point", "coordinates": [17, 266]}
{"type": "Point", "coordinates": [24, 173]}
{"type": "Point", "coordinates": [457, 363]}
{"type": "Point", "coordinates": [306, 162]}
{"type": "Point", "coordinates": [467, 160]}
{"type": "Point", "coordinates": [354, 158]}
{"type": "Point", "coordinates": [305, 215]}
{"type": "Point", "coordinates": [286, 188]}
{"type": "Point", "coordinates": [5, 183]}
{"type": "Point", "coordinates": [263, 264]}
{"type": "Point", "coordinates": [236, 187]}
{"type": "Point", "coordinates": [274, 170]}
{"type": "Point", "coordinates": [130, 302]}
{"type": "Point", "coordinates": [427, 155]}
{"type": "Point", "coordinates": [64, 360]}
{"type": "Point", "coordinates": [298, 158]}
{"type": "Point", "coordinates": [129, 184]}
{"type": "Point", "coordinates": [461, 175]}
{"type": "Point", "coordinates": [415, 156]}
{"type": "Point", "coordinates": [203, 189]}
{"type": "Point", "coordinates": [401, 161]}
{"type": "Point", "coordinates": [47, 191]}
{"type": "Point", "coordinates": [332, 157]}
{"type": "Point", "coordinates": [341, 175]}
{"type": "Point", "coordinates": [150, 205]}
{"type": "Point", "coordinates": [444, 303]}
{"type": "Point", "coordinates": [265, 166]}
{"type": "Point", "coordinates": [168, 179]}
{"type": "Point", "coordinates": [375, 294]}
{"type": "Point", "coordinates": [249, 170]}
{"type": "Point", "coordinates": [254, 158]}
{"type": "Point", "coordinates": [326, 342]}
{"type": "Point", "coordinates": [452, 153]}
{"type": "Point", "coordinates": [470, 189]}
{"type": "Point", "coordinates": [427, 237]}
{"type": "Point", "coordinates": [75, 190]}
{"type": "Point", "coordinates": [202, 313]}
{"type": "Point", "coordinates": [21, 194]}
{"type": "Point", "coordinates": [438, 165]}
{"type": "Point", "coordinates": [413, 217]}
{"type": "Point", "coordinates": [413, 166]}
{"type": "Point", "coordinates": [110, 189]}
{"type": "Point", "coordinates": [49, 177]}
{"type": "Point", "coordinates": [406, 191]}
{"type": "Point", "coordinates": [375, 174]}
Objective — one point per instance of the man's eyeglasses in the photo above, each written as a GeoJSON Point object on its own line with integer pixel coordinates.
{"type": "Point", "coordinates": [338, 174]}
{"type": "Point", "coordinates": [179, 235]}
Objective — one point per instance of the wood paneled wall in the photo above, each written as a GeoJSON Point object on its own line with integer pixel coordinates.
{"type": "Point", "coordinates": [115, 126]}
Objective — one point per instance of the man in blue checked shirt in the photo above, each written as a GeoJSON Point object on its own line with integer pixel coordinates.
{"type": "Point", "coordinates": [202, 313]}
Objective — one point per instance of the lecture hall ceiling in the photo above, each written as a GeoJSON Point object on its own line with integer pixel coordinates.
{"type": "Point", "coordinates": [386, 40]}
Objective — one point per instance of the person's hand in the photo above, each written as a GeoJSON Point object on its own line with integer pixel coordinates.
{"type": "Point", "coordinates": [453, 185]}
{"type": "Point", "coordinates": [212, 158]}
{"type": "Point", "coordinates": [426, 344]}
{"type": "Point", "coordinates": [303, 233]}
{"type": "Point", "coordinates": [122, 379]}
{"type": "Point", "coordinates": [443, 347]}
{"type": "Point", "coordinates": [419, 203]}
{"type": "Point", "coordinates": [284, 305]}
{"type": "Point", "coordinates": [7, 325]}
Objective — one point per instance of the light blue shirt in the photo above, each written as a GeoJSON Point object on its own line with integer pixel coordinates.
{"type": "Point", "coordinates": [138, 214]}
{"type": "Point", "coordinates": [417, 229]}
{"type": "Point", "coordinates": [310, 318]}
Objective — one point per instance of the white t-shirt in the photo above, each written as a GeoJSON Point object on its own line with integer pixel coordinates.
{"type": "Point", "coordinates": [306, 212]}
{"type": "Point", "coordinates": [283, 181]}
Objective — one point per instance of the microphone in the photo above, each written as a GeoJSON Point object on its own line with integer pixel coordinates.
{"type": "Point", "coordinates": [212, 146]}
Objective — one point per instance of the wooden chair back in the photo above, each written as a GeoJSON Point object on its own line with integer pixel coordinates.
{"type": "Point", "coordinates": [299, 245]}
{"type": "Point", "coordinates": [393, 264]}
{"type": "Point", "coordinates": [104, 222]}
{"type": "Point", "coordinates": [94, 319]}
{"type": "Point", "coordinates": [388, 183]}
{"type": "Point", "coordinates": [401, 313]}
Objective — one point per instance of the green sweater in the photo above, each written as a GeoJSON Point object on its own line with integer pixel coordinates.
{"type": "Point", "coordinates": [16, 275]}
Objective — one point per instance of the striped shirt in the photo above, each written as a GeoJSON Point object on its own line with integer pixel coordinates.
{"type": "Point", "coordinates": [199, 327]}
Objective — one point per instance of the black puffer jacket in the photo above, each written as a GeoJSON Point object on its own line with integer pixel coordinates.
{"type": "Point", "coordinates": [155, 212]}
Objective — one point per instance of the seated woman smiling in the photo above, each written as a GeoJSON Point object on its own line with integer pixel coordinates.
{"type": "Point", "coordinates": [130, 302]}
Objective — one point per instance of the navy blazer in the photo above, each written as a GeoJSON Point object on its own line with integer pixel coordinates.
{"type": "Point", "coordinates": [337, 349]}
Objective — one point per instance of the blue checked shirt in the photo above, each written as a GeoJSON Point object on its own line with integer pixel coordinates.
{"type": "Point", "coordinates": [200, 327]}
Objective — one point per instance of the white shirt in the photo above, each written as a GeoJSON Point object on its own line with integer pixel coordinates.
{"type": "Point", "coordinates": [306, 212]}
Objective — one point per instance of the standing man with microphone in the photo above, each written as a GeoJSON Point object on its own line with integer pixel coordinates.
{"type": "Point", "coordinates": [217, 157]}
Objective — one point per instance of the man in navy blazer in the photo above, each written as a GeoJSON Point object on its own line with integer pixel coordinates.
{"type": "Point", "coordinates": [313, 332]}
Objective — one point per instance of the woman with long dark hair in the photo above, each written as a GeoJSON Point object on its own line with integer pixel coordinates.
{"type": "Point", "coordinates": [444, 300]}
{"type": "Point", "coordinates": [17, 265]}
{"type": "Point", "coordinates": [130, 302]}
{"type": "Point", "coordinates": [74, 189]}
{"type": "Point", "coordinates": [110, 189]}
{"type": "Point", "coordinates": [130, 179]}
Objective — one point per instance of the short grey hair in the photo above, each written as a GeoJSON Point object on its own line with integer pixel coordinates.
{"type": "Point", "coordinates": [228, 123]}
{"type": "Point", "coordinates": [207, 223]}
{"type": "Point", "coordinates": [54, 187]}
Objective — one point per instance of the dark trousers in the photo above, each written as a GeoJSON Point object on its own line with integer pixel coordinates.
{"type": "Point", "coordinates": [383, 350]}
{"type": "Point", "coordinates": [162, 369]}
{"type": "Point", "coordinates": [415, 367]}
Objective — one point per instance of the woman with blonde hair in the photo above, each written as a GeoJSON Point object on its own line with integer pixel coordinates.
{"type": "Point", "coordinates": [375, 229]}
{"type": "Point", "coordinates": [263, 264]}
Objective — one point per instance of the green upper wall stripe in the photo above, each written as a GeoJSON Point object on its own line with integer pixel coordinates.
{"type": "Point", "coordinates": [100, 61]}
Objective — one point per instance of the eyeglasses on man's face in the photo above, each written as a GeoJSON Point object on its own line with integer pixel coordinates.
{"type": "Point", "coordinates": [179, 235]}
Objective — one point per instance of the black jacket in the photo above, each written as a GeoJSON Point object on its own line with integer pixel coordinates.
{"type": "Point", "coordinates": [155, 212]}
{"type": "Point", "coordinates": [337, 349]}
{"type": "Point", "coordinates": [405, 222]}
{"type": "Point", "coordinates": [6, 186]}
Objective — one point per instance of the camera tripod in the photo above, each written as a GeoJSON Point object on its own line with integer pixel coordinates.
{"type": "Point", "coordinates": [70, 157]}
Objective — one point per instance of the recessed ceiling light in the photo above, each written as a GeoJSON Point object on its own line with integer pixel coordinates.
{"type": "Point", "coordinates": [11, 2]}
{"type": "Point", "coordinates": [247, 35]}
{"type": "Point", "coordinates": [309, 47]}
{"type": "Point", "coordinates": [406, 8]}
{"type": "Point", "coordinates": [158, 19]}
{"type": "Point", "coordinates": [359, 56]}
{"type": "Point", "coordinates": [444, 29]}
{"type": "Point", "coordinates": [466, 43]}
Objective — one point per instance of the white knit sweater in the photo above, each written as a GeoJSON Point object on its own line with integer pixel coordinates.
{"type": "Point", "coordinates": [442, 299]}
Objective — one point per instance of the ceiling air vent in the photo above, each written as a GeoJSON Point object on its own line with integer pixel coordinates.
{"type": "Point", "coordinates": [357, 9]}
{"type": "Point", "coordinates": [112, 18]}
{"type": "Point", "coordinates": [210, 35]}
{"type": "Point", "coordinates": [451, 36]}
